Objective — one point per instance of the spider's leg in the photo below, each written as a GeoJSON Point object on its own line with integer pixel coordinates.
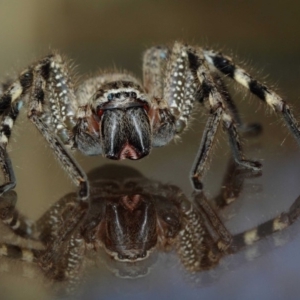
{"type": "Point", "coordinates": [193, 239]}
{"type": "Point", "coordinates": [52, 107]}
{"type": "Point", "coordinates": [227, 67]}
{"type": "Point", "coordinates": [10, 216]}
{"type": "Point", "coordinates": [236, 146]}
{"type": "Point", "coordinates": [224, 236]}
{"type": "Point", "coordinates": [9, 117]}
{"type": "Point", "coordinates": [215, 98]}
{"type": "Point", "coordinates": [48, 225]}
{"type": "Point", "coordinates": [4, 86]}
{"type": "Point", "coordinates": [68, 227]}
{"type": "Point", "coordinates": [206, 145]}
{"type": "Point", "coordinates": [154, 63]}
{"type": "Point", "coordinates": [10, 104]}
{"type": "Point", "coordinates": [66, 263]}
{"type": "Point", "coordinates": [67, 161]}
{"type": "Point", "coordinates": [232, 184]}
{"type": "Point", "coordinates": [19, 253]}
{"type": "Point", "coordinates": [73, 262]}
{"type": "Point", "coordinates": [198, 247]}
{"type": "Point", "coordinates": [267, 228]}
{"type": "Point", "coordinates": [180, 90]}
{"type": "Point", "coordinates": [253, 128]}
{"type": "Point", "coordinates": [67, 260]}
{"type": "Point", "coordinates": [51, 83]}
{"type": "Point", "coordinates": [187, 77]}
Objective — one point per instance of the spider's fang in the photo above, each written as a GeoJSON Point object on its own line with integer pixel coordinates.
{"type": "Point", "coordinates": [125, 133]}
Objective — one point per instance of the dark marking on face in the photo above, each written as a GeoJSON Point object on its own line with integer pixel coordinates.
{"type": "Point", "coordinates": [125, 133]}
{"type": "Point", "coordinates": [126, 234]}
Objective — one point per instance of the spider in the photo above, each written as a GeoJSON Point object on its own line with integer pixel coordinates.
{"type": "Point", "coordinates": [114, 115]}
{"type": "Point", "coordinates": [129, 219]}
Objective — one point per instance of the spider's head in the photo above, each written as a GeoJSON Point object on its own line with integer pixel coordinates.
{"type": "Point", "coordinates": [130, 228]}
{"type": "Point", "coordinates": [124, 128]}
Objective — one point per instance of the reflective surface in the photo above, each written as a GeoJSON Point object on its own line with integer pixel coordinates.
{"type": "Point", "coordinates": [136, 227]}
{"type": "Point", "coordinates": [103, 34]}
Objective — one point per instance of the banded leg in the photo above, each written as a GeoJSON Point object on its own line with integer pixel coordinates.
{"type": "Point", "coordinates": [247, 241]}
{"type": "Point", "coordinates": [51, 101]}
{"type": "Point", "coordinates": [249, 129]}
{"type": "Point", "coordinates": [227, 67]}
{"type": "Point", "coordinates": [267, 228]}
{"type": "Point", "coordinates": [10, 216]}
{"type": "Point", "coordinates": [19, 253]}
{"type": "Point", "coordinates": [215, 97]}
{"type": "Point", "coordinates": [180, 90]}
{"type": "Point", "coordinates": [9, 117]}
{"type": "Point", "coordinates": [187, 78]}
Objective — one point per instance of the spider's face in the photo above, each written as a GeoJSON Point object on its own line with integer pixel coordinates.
{"type": "Point", "coordinates": [124, 124]}
{"type": "Point", "coordinates": [130, 228]}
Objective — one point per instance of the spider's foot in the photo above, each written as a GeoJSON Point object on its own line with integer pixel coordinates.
{"type": "Point", "coordinates": [252, 129]}
{"type": "Point", "coordinates": [197, 184]}
{"type": "Point", "coordinates": [250, 165]}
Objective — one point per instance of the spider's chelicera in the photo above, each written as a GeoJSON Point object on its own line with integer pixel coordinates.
{"type": "Point", "coordinates": [113, 114]}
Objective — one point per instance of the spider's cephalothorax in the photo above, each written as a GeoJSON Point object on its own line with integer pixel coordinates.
{"type": "Point", "coordinates": [113, 114]}
{"type": "Point", "coordinates": [122, 122]}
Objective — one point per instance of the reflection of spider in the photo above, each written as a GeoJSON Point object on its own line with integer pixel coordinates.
{"type": "Point", "coordinates": [114, 115]}
{"type": "Point", "coordinates": [129, 219]}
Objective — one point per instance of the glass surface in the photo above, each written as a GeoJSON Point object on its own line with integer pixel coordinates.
{"type": "Point", "coordinates": [105, 34]}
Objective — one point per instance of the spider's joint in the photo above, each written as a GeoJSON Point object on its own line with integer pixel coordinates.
{"type": "Point", "coordinates": [16, 91]}
{"type": "Point", "coordinates": [281, 222]}
{"type": "Point", "coordinates": [251, 236]}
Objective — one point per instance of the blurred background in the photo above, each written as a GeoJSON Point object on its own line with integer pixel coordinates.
{"type": "Point", "coordinates": [263, 36]}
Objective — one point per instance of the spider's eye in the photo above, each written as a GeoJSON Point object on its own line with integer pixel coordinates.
{"type": "Point", "coordinates": [126, 94]}
{"type": "Point", "coordinates": [133, 95]}
{"type": "Point", "coordinates": [110, 97]}
{"type": "Point", "coordinates": [117, 95]}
